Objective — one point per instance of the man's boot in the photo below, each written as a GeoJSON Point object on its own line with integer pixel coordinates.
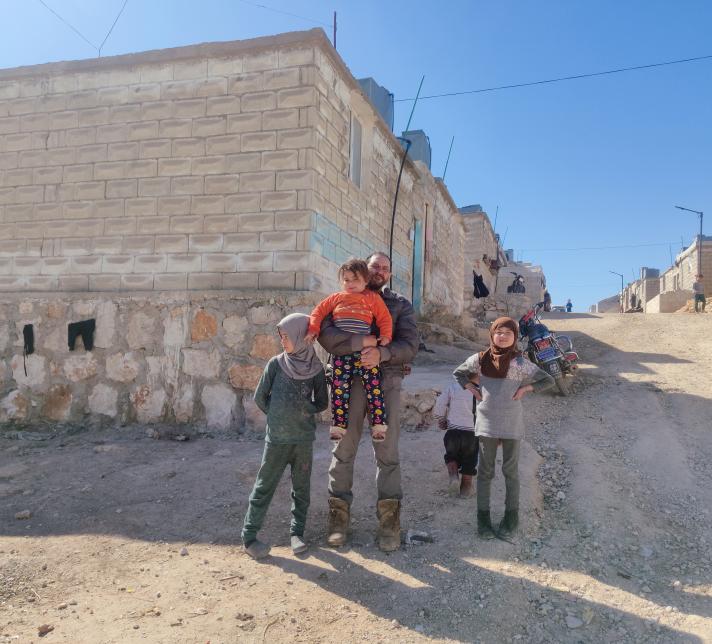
{"type": "Point", "coordinates": [388, 511]}
{"type": "Point", "coordinates": [484, 525]}
{"type": "Point", "coordinates": [467, 489]}
{"type": "Point", "coordinates": [508, 525]}
{"type": "Point", "coordinates": [338, 526]}
{"type": "Point", "coordinates": [453, 472]}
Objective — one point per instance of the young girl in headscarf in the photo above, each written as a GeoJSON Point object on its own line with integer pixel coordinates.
{"type": "Point", "coordinates": [505, 377]}
{"type": "Point", "coordinates": [291, 391]}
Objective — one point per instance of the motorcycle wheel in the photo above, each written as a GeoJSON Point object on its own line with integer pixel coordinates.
{"type": "Point", "coordinates": [564, 385]}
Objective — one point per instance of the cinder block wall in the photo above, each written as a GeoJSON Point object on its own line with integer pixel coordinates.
{"type": "Point", "coordinates": [177, 169]}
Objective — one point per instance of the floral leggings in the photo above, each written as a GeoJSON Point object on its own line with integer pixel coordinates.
{"type": "Point", "coordinates": [345, 369]}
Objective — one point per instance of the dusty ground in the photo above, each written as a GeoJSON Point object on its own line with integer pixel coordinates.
{"type": "Point", "coordinates": [133, 539]}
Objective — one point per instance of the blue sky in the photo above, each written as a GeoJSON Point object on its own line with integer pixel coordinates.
{"type": "Point", "coordinates": [593, 162]}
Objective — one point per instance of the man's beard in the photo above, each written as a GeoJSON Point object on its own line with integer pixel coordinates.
{"type": "Point", "coordinates": [376, 282]}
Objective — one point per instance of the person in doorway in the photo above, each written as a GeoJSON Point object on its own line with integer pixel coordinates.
{"type": "Point", "coordinates": [505, 377]}
{"type": "Point", "coordinates": [455, 411]}
{"type": "Point", "coordinates": [291, 392]}
{"type": "Point", "coordinates": [569, 306]}
{"type": "Point", "coordinates": [354, 309]}
{"type": "Point", "coordinates": [393, 359]}
{"type": "Point", "coordinates": [698, 288]}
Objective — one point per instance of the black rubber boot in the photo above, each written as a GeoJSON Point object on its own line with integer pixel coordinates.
{"type": "Point", "coordinates": [508, 525]}
{"type": "Point", "coordinates": [484, 525]}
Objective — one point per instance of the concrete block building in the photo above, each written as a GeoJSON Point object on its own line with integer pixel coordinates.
{"type": "Point", "coordinates": [184, 199]}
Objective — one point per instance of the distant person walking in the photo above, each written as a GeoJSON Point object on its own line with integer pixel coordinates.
{"type": "Point", "coordinates": [569, 306]}
{"type": "Point", "coordinates": [698, 288]}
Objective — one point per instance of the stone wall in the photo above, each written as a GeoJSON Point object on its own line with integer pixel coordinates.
{"type": "Point", "coordinates": [172, 358]}
{"type": "Point", "coordinates": [668, 302]}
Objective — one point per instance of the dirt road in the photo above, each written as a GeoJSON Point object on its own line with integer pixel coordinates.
{"type": "Point", "coordinates": [136, 540]}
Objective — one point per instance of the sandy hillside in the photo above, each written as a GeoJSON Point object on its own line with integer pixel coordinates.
{"type": "Point", "coordinates": [136, 540]}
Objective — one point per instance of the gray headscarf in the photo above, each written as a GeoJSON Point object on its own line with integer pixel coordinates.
{"type": "Point", "coordinates": [303, 363]}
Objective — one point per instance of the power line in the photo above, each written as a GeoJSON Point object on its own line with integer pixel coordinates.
{"type": "Point", "coordinates": [562, 78]}
{"type": "Point", "coordinates": [542, 250]}
{"type": "Point", "coordinates": [103, 42]}
{"type": "Point", "coordinates": [286, 13]}
{"type": "Point", "coordinates": [72, 27]}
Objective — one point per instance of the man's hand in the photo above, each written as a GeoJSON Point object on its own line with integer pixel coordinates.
{"type": "Point", "coordinates": [442, 424]}
{"type": "Point", "coordinates": [370, 357]}
{"type": "Point", "coordinates": [310, 337]}
{"type": "Point", "coordinates": [522, 391]}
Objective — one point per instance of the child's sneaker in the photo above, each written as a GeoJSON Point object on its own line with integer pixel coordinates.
{"type": "Point", "coordinates": [256, 549]}
{"type": "Point", "coordinates": [298, 545]}
{"type": "Point", "coordinates": [453, 487]}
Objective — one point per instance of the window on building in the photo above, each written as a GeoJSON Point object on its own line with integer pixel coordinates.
{"type": "Point", "coordinates": [355, 151]}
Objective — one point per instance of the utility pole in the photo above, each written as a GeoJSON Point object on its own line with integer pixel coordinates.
{"type": "Point", "coordinates": [700, 214]}
{"type": "Point", "coordinates": [622, 287]}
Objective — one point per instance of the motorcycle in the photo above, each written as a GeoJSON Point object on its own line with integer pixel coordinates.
{"type": "Point", "coordinates": [517, 285]}
{"type": "Point", "coordinates": [549, 351]}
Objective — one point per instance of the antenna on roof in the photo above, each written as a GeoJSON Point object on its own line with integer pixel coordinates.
{"type": "Point", "coordinates": [496, 214]}
{"type": "Point", "coordinates": [334, 37]}
{"type": "Point", "coordinates": [448, 157]}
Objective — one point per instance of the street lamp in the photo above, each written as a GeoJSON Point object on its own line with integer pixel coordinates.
{"type": "Point", "coordinates": [700, 214]}
{"type": "Point", "coordinates": [621, 276]}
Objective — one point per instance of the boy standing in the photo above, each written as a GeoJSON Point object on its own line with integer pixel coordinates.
{"type": "Point", "coordinates": [698, 288]}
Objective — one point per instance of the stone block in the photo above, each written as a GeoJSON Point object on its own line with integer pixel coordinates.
{"type": "Point", "coordinates": [107, 245]}
{"type": "Point", "coordinates": [27, 265]}
{"type": "Point", "coordinates": [259, 141]}
{"type": "Point", "coordinates": [175, 128]}
{"type": "Point", "coordinates": [141, 207]}
{"type": "Point", "coordinates": [170, 282]}
{"type": "Point", "coordinates": [219, 404]}
{"type": "Point", "coordinates": [189, 108]}
{"type": "Point", "coordinates": [205, 243]}
{"type": "Point", "coordinates": [201, 364]}
{"type": "Point", "coordinates": [279, 200]}
{"type": "Point", "coordinates": [215, 164]}
{"type": "Point", "coordinates": [203, 327]}
{"type": "Point", "coordinates": [78, 210]}
{"type": "Point", "coordinates": [112, 133]}
{"type": "Point", "coordinates": [220, 224]}
{"type": "Point", "coordinates": [141, 168]}
{"type": "Point", "coordinates": [120, 226]}
{"type": "Point", "coordinates": [255, 261]}
{"type": "Point", "coordinates": [125, 113]}
{"type": "Point", "coordinates": [121, 188]}
{"type": "Point", "coordinates": [141, 330]}
{"type": "Point", "coordinates": [142, 130]}
{"type": "Point", "coordinates": [15, 406]}
{"type": "Point", "coordinates": [35, 366]}
{"type": "Point", "coordinates": [221, 184]}
{"type": "Point", "coordinates": [241, 242]}
{"type": "Point", "coordinates": [190, 69]}
{"type": "Point", "coordinates": [280, 160]}
{"type": "Point", "coordinates": [183, 403]}
{"type": "Point", "coordinates": [144, 93]}
{"type": "Point", "coordinates": [187, 185]}
{"type": "Point", "coordinates": [187, 224]}
{"type": "Point", "coordinates": [174, 205]}
{"type": "Point", "coordinates": [242, 162]}
{"type": "Point", "coordinates": [294, 220]}
{"type": "Point", "coordinates": [297, 138]}
{"type": "Point", "coordinates": [103, 401]}
{"type": "Point", "coordinates": [258, 102]}
{"type": "Point", "coordinates": [260, 62]}
{"type": "Point", "coordinates": [80, 367]}
{"type": "Point", "coordinates": [209, 126]}
{"type": "Point", "coordinates": [138, 282]}
{"type": "Point", "coordinates": [57, 403]}
{"type": "Point", "coordinates": [255, 222]}
{"type": "Point", "coordinates": [171, 243]}
{"type": "Point", "coordinates": [74, 282]}
{"type": "Point", "coordinates": [122, 151]}
{"type": "Point", "coordinates": [278, 240]}
{"type": "Point", "coordinates": [148, 403]}
{"type": "Point", "coordinates": [90, 190]}
{"type": "Point", "coordinates": [156, 73]}
{"type": "Point", "coordinates": [219, 263]}
{"type": "Point", "coordinates": [245, 82]}
{"type": "Point", "coordinates": [77, 173]}
{"type": "Point", "coordinates": [204, 281]}
{"type": "Point", "coordinates": [76, 246]}
{"type": "Point", "coordinates": [105, 325]}
{"type": "Point", "coordinates": [243, 375]}
{"type": "Point", "coordinates": [122, 367]}
{"type": "Point", "coordinates": [272, 280]}
{"type": "Point", "coordinates": [156, 148]}
{"type": "Point", "coordinates": [117, 264]}
{"type": "Point", "coordinates": [264, 346]}
{"type": "Point", "coordinates": [189, 263]}
{"type": "Point", "coordinates": [292, 261]}
{"type": "Point", "coordinates": [88, 265]}
{"type": "Point", "coordinates": [47, 175]}
{"type": "Point", "coordinates": [295, 57]}
{"type": "Point", "coordinates": [188, 147]}
{"type": "Point", "coordinates": [154, 187]}
{"type": "Point", "coordinates": [174, 167]}
{"type": "Point", "coordinates": [224, 144]}
{"type": "Point", "coordinates": [235, 328]}
{"type": "Point", "coordinates": [150, 264]}
{"type": "Point", "coordinates": [92, 153]}
{"type": "Point", "coordinates": [242, 203]}
{"type": "Point", "coordinates": [222, 105]}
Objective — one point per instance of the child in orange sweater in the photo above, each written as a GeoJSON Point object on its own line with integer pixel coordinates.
{"type": "Point", "coordinates": [354, 309]}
